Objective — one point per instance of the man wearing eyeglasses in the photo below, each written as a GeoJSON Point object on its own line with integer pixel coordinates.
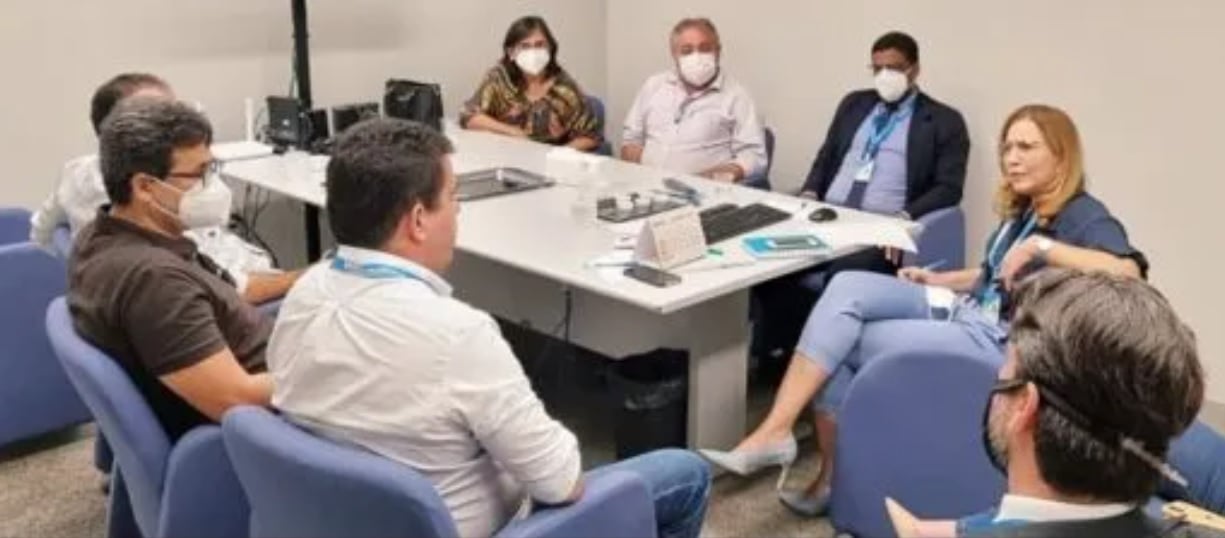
{"type": "Point", "coordinates": [892, 150]}
{"type": "Point", "coordinates": [1101, 376]}
{"type": "Point", "coordinates": [80, 191]}
{"type": "Point", "coordinates": [143, 293]}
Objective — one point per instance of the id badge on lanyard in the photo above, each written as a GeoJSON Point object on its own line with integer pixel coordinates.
{"type": "Point", "coordinates": [864, 173]}
{"type": "Point", "coordinates": [876, 139]}
{"type": "Point", "coordinates": [991, 301]}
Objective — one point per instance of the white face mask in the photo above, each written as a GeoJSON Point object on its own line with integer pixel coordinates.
{"type": "Point", "coordinates": [532, 61]}
{"type": "Point", "coordinates": [698, 68]}
{"type": "Point", "coordinates": [205, 205]}
{"type": "Point", "coordinates": [891, 85]}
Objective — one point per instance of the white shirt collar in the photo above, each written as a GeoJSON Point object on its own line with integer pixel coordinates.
{"type": "Point", "coordinates": [1031, 509]}
{"type": "Point", "coordinates": [364, 255]}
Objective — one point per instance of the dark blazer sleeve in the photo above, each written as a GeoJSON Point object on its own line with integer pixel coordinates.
{"type": "Point", "coordinates": [952, 152]}
{"type": "Point", "coordinates": [826, 163]}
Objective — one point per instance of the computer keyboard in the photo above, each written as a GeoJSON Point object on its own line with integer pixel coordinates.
{"type": "Point", "coordinates": [725, 221]}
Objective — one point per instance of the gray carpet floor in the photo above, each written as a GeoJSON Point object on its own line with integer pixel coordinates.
{"type": "Point", "coordinates": [49, 487]}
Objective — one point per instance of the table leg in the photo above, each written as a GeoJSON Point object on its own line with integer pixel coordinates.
{"type": "Point", "coordinates": [717, 338]}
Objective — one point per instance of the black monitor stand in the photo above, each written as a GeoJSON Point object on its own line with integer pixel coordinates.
{"type": "Point", "coordinates": [302, 74]}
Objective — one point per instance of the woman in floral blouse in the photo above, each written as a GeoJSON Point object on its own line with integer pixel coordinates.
{"type": "Point", "coordinates": [527, 94]}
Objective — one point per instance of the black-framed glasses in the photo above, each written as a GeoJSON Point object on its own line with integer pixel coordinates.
{"type": "Point", "coordinates": [1008, 385]}
{"type": "Point", "coordinates": [213, 169]}
{"type": "Point", "coordinates": [1102, 431]}
{"type": "Point", "coordinates": [875, 69]}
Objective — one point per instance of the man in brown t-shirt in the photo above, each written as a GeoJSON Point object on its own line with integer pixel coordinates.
{"type": "Point", "coordinates": [142, 292]}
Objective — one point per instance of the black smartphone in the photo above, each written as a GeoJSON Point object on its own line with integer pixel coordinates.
{"type": "Point", "coordinates": [652, 276]}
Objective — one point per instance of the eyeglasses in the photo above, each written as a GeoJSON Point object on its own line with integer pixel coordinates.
{"type": "Point", "coordinates": [213, 169]}
{"type": "Point", "coordinates": [1103, 432]}
{"type": "Point", "coordinates": [525, 45]}
{"type": "Point", "coordinates": [1021, 145]}
{"type": "Point", "coordinates": [901, 68]}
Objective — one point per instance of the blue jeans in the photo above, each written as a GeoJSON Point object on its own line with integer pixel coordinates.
{"type": "Point", "coordinates": [861, 315]}
{"type": "Point", "coordinates": [679, 482]}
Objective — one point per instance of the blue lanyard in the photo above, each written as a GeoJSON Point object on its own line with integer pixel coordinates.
{"type": "Point", "coordinates": [876, 137]}
{"type": "Point", "coordinates": [377, 271]}
{"type": "Point", "coordinates": [995, 255]}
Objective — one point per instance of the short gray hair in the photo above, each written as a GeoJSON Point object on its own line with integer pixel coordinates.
{"type": "Point", "coordinates": [140, 136]}
{"type": "Point", "coordinates": [702, 23]}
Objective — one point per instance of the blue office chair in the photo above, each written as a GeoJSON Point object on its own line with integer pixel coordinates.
{"type": "Point", "coordinates": [909, 428]}
{"type": "Point", "coordinates": [942, 241]}
{"type": "Point", "coordinates": [302, 485]}
{"type": "Point", "coordinates": [597, 110]}
{"type": "Point", "coordinates": [14, 225]}
{"type": "Point", "coordinates": [762, 180]}
{"type": "Point", "coordinates": [35, 395]}
{"type": "Point", "coordinates": [188, 489]}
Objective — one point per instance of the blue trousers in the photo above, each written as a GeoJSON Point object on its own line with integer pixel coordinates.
{"type": "Point", "coordinates": [679, 481]}
{"type": "Point", "coordinates": [862, 315]}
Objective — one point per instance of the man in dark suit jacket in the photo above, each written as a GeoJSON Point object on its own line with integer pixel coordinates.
{"type": "Point", "coordinates": [937, 148]}
{"type": "Point", "coordinates": [892, 150]}
{"type": "Point", "coordinates": [1101, 375]}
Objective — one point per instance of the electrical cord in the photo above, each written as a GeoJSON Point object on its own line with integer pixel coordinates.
{"type": "Point", "coordinates": [563, 327]}
{"type": "Point", "coordinates": [238, 224]}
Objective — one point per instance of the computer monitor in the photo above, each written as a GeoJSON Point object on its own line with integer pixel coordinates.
{"type": "Point", "coordinates": [345, 116]}
{"type": "Point", "coordinates": [285, 121]}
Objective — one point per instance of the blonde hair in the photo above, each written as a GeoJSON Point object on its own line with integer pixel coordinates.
{"type": "Point", "coordinates": [1060, 135]}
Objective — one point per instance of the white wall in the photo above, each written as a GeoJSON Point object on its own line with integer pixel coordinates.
{"type": "Point", "coordinates": [1140, 78]}
{"type": "Point", "coordinates": [54, 54]}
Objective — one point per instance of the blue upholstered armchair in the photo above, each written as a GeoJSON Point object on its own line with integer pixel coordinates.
{"type": "Point", "coordinates": [302, 485]}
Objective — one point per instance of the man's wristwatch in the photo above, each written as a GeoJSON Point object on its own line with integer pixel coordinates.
{"type": "Point", "coordinates": [1044, 246]}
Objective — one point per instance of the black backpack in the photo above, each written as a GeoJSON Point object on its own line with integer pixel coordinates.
{"type": "Point", "coordinates": [417, 101]}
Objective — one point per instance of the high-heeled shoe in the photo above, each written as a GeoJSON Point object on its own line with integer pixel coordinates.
{"type": "Point", "coordinates": [746, 463]}
{"type": "Point", "coordinates": [802, 504]}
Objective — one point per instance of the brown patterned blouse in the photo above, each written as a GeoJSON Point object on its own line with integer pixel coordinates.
{"type": "Point", "coordinates": [560, 116]}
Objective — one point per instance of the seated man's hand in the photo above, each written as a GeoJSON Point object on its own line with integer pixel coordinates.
{"type": "Point", "coordinates": [726, 173]}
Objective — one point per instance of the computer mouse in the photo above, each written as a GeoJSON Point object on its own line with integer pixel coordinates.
{"type": "Point", "coordinates": [823, 214]}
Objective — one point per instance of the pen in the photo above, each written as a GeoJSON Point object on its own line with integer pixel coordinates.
{"type": "Point", "coordinates": [934, 265]}
{"type": "Point", "coordinates": [730, 265]}
{"type": "Point", "coordinates": [609, 264]}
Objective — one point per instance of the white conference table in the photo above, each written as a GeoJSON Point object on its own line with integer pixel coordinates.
{"type": "Point", "coordinates": [520, 255]}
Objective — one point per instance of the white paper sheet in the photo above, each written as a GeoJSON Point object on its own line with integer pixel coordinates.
{"type": "Point", "coordinates": [879, 234]}
{"type": "Point", "coordinates": [235, 151]}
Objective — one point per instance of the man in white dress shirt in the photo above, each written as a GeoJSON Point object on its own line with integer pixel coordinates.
{"type": "Point", "coordinates": [370, 347]}
{"type": "Point", "coordinates": [80, 192]}
{"type": "Point", "coordinates": [695, 119]}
